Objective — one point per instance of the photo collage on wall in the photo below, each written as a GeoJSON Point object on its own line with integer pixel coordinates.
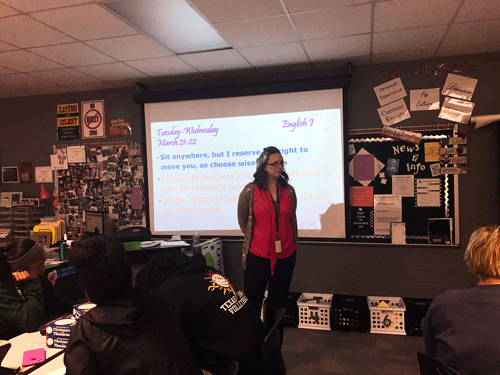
{"type": "Point", "coordinates": [110, 181]}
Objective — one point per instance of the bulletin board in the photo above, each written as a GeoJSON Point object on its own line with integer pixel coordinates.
{"type": "Point", "coordinates": [395, 181]}
{"type": "Point", "coordinates": [103, 177]}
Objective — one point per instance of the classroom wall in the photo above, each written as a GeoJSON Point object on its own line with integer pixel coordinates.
{"type": "Point", "coordinates": [28, 130]}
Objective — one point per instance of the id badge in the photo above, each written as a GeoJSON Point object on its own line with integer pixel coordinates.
{"type": "Point", "coordinates": [277, 245]}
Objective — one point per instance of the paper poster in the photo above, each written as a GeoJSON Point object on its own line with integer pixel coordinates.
{"type": "Point", "coordinates": [393, 113]}
{"type": "Point", "coordinates": [358, 167]}
{"type": "Point", "coordinates": [459, 87]}
{"type": "Point", "coordinates": [43, 174]}
{"type": "Point", "coordinates": [424, 100]}
{"type": "Point", "coordinates": [68, 121]}
{"type": "Point", "coordinates": [390, 91]}
{"type": "Point", "coordinates": [403, 185]}
{"type": "Point", "coordinates": [398, 233]}
{"type": "Point", "coordinates": [363, 167]}
{"type": "Point", "coordinates": [361, 196]}
{"type": "Point", "coordinates": [435, 169]}
{"type": "Point", "coordinates": [432, 151]}
{"type": "Point", "coordinates": [59, 160]}
{"type": "Point", "coordinates": [456, 110]}
{"type": "Point", "coordinates": [387, 209]}
{"type": "Point", "coordinates": [392, 167]}
{"type": "Point", "coordinates": [403, 135]}
{"type": "Point", "coordinates": [76, 154]}
{"type": "Point", "coordinates": [93, 119]}
{"type": "Point", "coordinates": [361, 220]}
{"type": "Point", "coordinates": [428, 192]}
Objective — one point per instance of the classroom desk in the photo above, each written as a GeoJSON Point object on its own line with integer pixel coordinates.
{"type": "Point", "coordinates": [28, 341]}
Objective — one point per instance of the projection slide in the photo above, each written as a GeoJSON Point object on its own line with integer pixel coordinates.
{"type": "Point", "coordinates": [198, 165]}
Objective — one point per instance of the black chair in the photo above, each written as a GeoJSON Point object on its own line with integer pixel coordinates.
{"type": "Point", "coordinates": [431, 366]}
{"type": "Point", "coordinates": [272, 358]}
{"type": "Point", "coordinates": [136, 233]}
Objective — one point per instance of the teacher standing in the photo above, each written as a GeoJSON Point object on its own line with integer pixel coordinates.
{"type": "Point", "coordinates": [267, 217]}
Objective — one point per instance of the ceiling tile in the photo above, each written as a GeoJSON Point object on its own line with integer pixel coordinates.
{"type": "Point", "coordinates": [85, 22]}
{"type": "Point", "coordinates": [24, 81]}
{"type": "Point", "coordinates": [272, 30]}
{"type": "Point", "coordinates": [474, 10]}
{"type": "Point", "coordinates": [465, 49]}
{"type": "Point", "coordinates": [148, 81]}
{"type": "Point", "coordinates": [280, 69]}
{"type": "Point", "coordinates": [333, 22]}
{"type": "Point", "coordinates": [111, 72]}
{"type": "Point", "coordinates": [34, 5]}
{"type": "Point", "coordinates": [53, 90]}
{"type": "Point", "coordinates": [6, 11]}
{"type": "Point", "coordinates": [64, 77]}
{"type": "Point", "coordinates": [404, 14]}
{"type": "Point", "coordinates": [323, 49]}
{"type": "Point", "coordinates": [24, 32]}
{"type": "Point", "coordinates": [473, 32]}
{"type": "Point", "coordinates": [6, 47]}
{"type": "Point", "coordinates": [403, 56]}
{"type": "Point", "coordinates": [4, 71]}
{"type": "Point", "coordinates": [132, 47]}
{"type": "Point", "coordinates": [341, 63]}
{"type": "Point", "coordinates": [277, 54]}
{"type": "Point", "coordinates": [92, 86]}
{"type": "Point", "coordinates": [24, 61]}
{"type": "Point", "coordinates": [73, 54]}
{"type": "Point", "coordinates": [217, 11]}
{"type": "Point", "coordinates": [295, 6]}
{"type": "Point", "coordinates": [162, 66]}
{"type": "Point", "coordinates": [406, 40]}
{"type": "Point", "coordinates": [215, 60]}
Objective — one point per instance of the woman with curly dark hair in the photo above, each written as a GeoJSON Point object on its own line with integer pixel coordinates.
{"type": "Point", "coordinates": [267, 217]}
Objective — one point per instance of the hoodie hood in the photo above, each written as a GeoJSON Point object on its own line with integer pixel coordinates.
{"type": "Point", "coordinates": [167, 265]}
{"type": "Point", "coordinates": [126, 316]}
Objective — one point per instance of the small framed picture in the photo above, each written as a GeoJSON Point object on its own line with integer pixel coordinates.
{"type": "Point", "coordinates": [16, 198]}
{"type": "Point", "coordinates": [30, 202]}
{"type": "Point", "coordinates": [10, 175]}
{"type": "Point", "coordinates": [5, 199]}
{"type": "Point", "coordinates": [42, 238]}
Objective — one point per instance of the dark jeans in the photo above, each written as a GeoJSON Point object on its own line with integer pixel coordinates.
{"type": "Point", "coordinates": [258, 275]}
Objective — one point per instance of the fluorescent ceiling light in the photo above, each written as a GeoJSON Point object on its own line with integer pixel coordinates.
{"type": "Point", "coordinates": [173, 23]}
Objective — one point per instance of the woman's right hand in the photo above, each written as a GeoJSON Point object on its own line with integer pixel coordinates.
{"type": "Point", "coordinates": [23, 276]}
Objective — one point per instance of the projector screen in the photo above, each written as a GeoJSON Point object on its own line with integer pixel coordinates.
{"type": "Point", "coordinates": [201, 153]}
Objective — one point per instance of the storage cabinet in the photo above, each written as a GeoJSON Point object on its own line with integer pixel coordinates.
{"type": "Point", "coordinates": [19, 220]}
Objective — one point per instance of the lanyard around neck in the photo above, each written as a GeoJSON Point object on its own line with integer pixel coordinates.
{"type": "Point", "coordinates": [276, 205]}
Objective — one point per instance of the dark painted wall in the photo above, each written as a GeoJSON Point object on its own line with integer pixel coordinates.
{"type": "Point", "coordinates": [28, 131]}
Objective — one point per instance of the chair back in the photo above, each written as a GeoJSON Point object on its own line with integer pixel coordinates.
{"type": "Point", "coordinates": [135, 233]}
{"type": "Point", "coordinates": [431, 366]}
{"type": "Point", "coordinates": [272, 358]}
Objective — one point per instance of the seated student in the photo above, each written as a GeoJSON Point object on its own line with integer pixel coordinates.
{"type": "Point", "coordinates": [129, 331]}
{"type": "Point", "coordinates": [21, 292]}
{"type": "Point", "coordinates": [220, 325]}
{"type": "Point", "coordinates": [462, 327]}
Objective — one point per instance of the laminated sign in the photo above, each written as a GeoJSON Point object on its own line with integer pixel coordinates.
{"type": "Point", "coordinates": [93, 119]}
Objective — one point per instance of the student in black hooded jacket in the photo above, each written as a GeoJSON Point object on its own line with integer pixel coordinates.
{"type": "Point", "coordinates": [220, 324]}
{"type": "Point", "coordinates": [129, 331]}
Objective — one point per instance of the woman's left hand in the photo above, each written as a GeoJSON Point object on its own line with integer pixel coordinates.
{"type": "Point", "coordinates": [23, 276]}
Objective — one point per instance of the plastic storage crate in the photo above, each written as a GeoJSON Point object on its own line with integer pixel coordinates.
{"type": "Point", "coordinates": [314, 311]}
{"type": "Point", "coordinates": [416, 309]}
{"type": "Point", "coordinates": [349, 313]}
{"type": "Point", "coordinates": [291, 318]}
{"type": "Point", "coordinates": [388, 319]}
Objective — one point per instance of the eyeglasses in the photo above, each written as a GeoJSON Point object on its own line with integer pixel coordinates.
{"type": "Point", "coordinates": [277, 163]}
